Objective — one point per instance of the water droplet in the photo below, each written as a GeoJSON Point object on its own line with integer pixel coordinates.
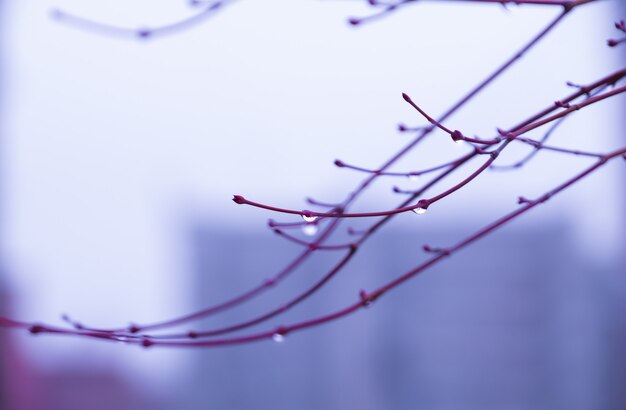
{"type": "Point", "coordinates": [459, 143]}
{"type": "Point", "coordinates": [278, 338]}
{"type": "Point", "coordinates": [419, 211]}
{"type": "Point", "coordinates": [309, 229]}
{"type": "Point", "coordinates": [309, 218]}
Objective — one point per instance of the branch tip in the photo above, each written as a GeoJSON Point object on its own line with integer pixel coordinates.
{"type": "Point", "coordinates": [57, 14]}
{"type": "Point", "coordinates": [238, 199]}
{"type": "Point", "coordinates": [144, 33]}
{"type": "Point", "coordinates": [147, 342]}
{"type": "Point", "coordinates": [457, 135]}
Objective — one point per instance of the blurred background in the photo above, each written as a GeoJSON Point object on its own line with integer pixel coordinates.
{"type": "Point", "coordinates": [120, 158]}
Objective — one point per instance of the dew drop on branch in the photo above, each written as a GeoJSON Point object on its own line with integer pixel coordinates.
{"type": "Point", "coordinates": [419, 211]}
{"type": "Point", "coordinates": [278, 338]}
{"type": "Point", "coordinates": [309, 218]}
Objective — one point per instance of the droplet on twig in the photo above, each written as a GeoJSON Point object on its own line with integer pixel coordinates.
{"type": "Point", "coordinates": [279, 335]}
{"type": "Point", "coordinates": [308, 218]}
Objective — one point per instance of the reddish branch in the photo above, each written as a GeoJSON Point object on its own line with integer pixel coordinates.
{"type": "Point", "coordinates": [207, 9]}
{"type": "Point", "coordinates": [387, 7]}
{"type": "Point", "coordinates": [330, 220]}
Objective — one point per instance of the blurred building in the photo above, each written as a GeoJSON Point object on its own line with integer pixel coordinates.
{"type": "Point", "coordinates": [516, 321]}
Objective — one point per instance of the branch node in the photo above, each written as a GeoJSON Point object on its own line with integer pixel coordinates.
{"type": "Point", "coordinates": [146, 342]}
{"type": "Point", "coordinates": [457, 136]}
{"type": "Point", "coordinates": [366, 300]}
{"type": "Point", "coordinates": [510, 136]}
{"type": "Point", "coordinates": [144, 33]}
{"type": "Point", "coordinates": [544, 197]}
{"type": "Point", "coordinates": [422, 206]}
{"type": "Point", "coordinates": [437, 251]}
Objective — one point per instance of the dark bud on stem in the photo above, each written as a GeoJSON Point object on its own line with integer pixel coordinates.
{"type": "Point", "coordinates": [282, 331]}
{"type": "Point", "coordinates": [238, 199]}
{"type": "Point", "coordinates": [134, 329]}
{"type": "Point", "coordinates": [35, 329]}
{"type": "Point", "coordinates": [612, 42]}
{"type": "Point", "coordinates": [406, 97]}
{"type": "Point", "coordinates": [366, 300]}
{"type": "Point", "coordinates": [422, 203]}
{"type": "Point", "coordinates": [401, 127]}
{"type": "Point", "coordinates": [147, 342]}
{"type": "Point", "coordinates": [354, 21]}
{"type": "Point", "coordinates": [144, 33]}
{"type": "Point", "coordinates": [457, 135]}
{"type": "Point", "coordinates": [339, 163]}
